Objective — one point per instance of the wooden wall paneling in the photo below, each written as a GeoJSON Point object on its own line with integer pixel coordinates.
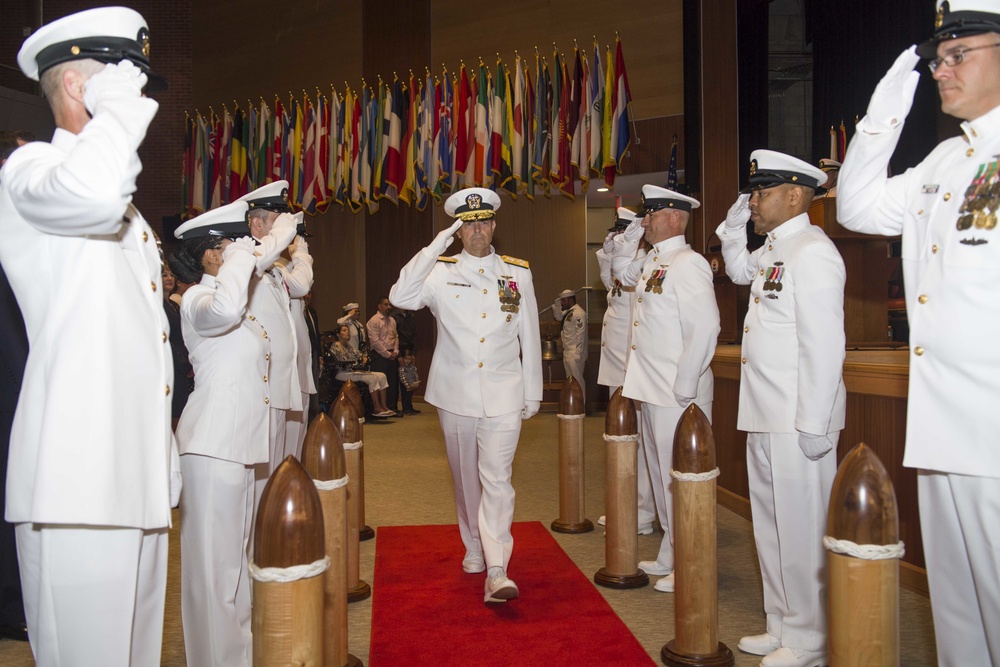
{"type": "Point", "coordinates": [654, 65]}
{"type": "Point", "coordinates": [338, 250]}
{"type": "Point", "coordinates": [720, 127]}
{"type": "Point", "coordinates": [652, 153]}
{"type": "Point", "coordinates": [244, 49]}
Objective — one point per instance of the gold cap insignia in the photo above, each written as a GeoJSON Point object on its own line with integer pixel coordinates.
{"type": "Point", "coordinates": [942, 10]}
{"type": "Point", "coordinates": [144, 40]}
{"type": "Point", "coordinates": [474, 201]}
{"type": "Point", "coordinates": [284, 194]}
{"type": "Point", "coordinates": [753, 167]}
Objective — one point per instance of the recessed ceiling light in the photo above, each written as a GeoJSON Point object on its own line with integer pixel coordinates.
{"type": "Point", "coordinates": [602, 189]}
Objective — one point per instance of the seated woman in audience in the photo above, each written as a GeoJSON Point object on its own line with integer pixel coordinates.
{"type": "Point", "coordinates": [351, 364]}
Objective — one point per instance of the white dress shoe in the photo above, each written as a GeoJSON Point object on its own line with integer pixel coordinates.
{"type": "Point", "coordinates": [499, 588]}
{"type": "Point", "coordinates": [654, 569]}
{"type": "Point", "coordinates": [473, 562]}
{"type": "Point", "coordinates": [787, 656]}
{"type": "Point", "coordinates": [643, 530]}
{"type": "Point", "coordinates": [759, 644]}
{"type": "Point", "coordinates": [666, 584]}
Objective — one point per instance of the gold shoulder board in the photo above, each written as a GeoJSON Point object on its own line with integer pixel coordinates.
{"type": "Point", "coordinates": [515, 261]}
{"type": "Point", "coordinates": [442, 258]}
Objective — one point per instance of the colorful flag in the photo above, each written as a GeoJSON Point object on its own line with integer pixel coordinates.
{"type": "Point", "coordinates": [375, 120]}
{"type": "Point", "coordinates": [201, 148]}
{"type": "Point", "coordinates": [263, 150]}
{"type": "Point", "coordinates": [294, 153]}
{"type": "Point", "coordinates": [187, 167]}
{"type": "Point", "coordinates": [424, 150]}
{"type": "Point", "coordinates": [251, 148]}
{"type": "Point", "coordinates": [527, 182]}
{"type": "Point", "coordinates": [238, 158]}
{"type": "Point", "coordinates": [579, 125]}
{"type": "Point", "coordinates": [597, 80]}
{"type": "Point", "coordinates": [482, 127]}
{"type": "Point", "coordinates": [408, 149]}
{"type": "Point", "coordinates": [345, 149]}
{"type": "Point", "coordinates": [440, 176]}
{"type": "Point", "coordinates": [607, 150]}
{"type": "Point", "coordinates": [620, 134]}
{"type": "Point", "coordinates": [355, 199]}
{"type": "Point", "coordinates": [507, 180]}
{"type": "Point", "coordinates": [540, 160]}
{"type": "Point", "coordinates": [517, 117]}
{"type": "Point", "coordinates": [563, 171]}
{"type": "Point", "coordinates": [394, 171]}
{"type": "Point", "coordinates": [277, 150]}
{"type": "Point", "coordinates": [497, 122]}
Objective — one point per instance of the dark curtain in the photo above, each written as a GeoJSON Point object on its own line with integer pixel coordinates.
{"type": "Point", "coordinates": [854, 43]}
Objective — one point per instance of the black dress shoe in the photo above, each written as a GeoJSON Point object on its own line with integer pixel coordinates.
{"type": "Point", "coordinates": [397, 414]}
{"type": "Point", "coordinates": [18, 631]}
{"type": "Point", "coordinates": [412, 412]}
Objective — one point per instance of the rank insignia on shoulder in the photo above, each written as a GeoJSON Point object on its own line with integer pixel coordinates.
{"type": "Point", "coordinates": [930, 189]}
{"type": "Point", "coordinates": [515, 261]}
{"type": "Point", "coordinates": [442, 258]}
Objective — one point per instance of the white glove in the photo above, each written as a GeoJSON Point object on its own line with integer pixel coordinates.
{"type": "Point", "coordinates": [814, 447]}
{"type": "Point", "coordinates": [634, 231]}
{"type": "Point", "coordinates": [609, 244]}
{"type": "Point", "coordinates": [557, 305]}
{"type": "Point", "coordinates": [244, 245]}
{"type": "Point", "coordinates": [738, 213]}
{"type": "Point", "coordinates": [893, 95]}
{"type": "Point", "coordinates": [444, 239]}
{"type": "Point", "coordinates": [298, 247]}
{"type": "Point", "coordinates": [285, 221]}
{"type": "Point", "coordinates": [530, 409]}
{"type": "Point", "coordinates": [123, 81]}
{"type": "Point", "coordinates": [683, 401]}
{"type": "Point", "coordinates": [176, 484]}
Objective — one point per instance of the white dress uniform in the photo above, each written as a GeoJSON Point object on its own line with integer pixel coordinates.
{"type": "Point", "coordinates": [675, 329]}
{"type": "Point", "coordinates": [791, 382]}
{"type": "Point", "coordinates": [616, 342]}
{"type": "Point", "coordinates": [951, 268]}
{"type": "Point", "coordinates": [573, 334]}
{"type": "Point", "coordinates": [222, 434]}
{"type": "Point", "coordinates": [270, 302]}
{"type": "Point", "coordinates": [91, 449]}
{"type": "Point", "coordinates": [487, 363]}
{"type": "Point", "coordinates": [298, 276]}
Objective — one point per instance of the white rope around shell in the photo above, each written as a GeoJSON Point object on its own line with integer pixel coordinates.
{"type": "Point", "coordinates": [621, 438]}
{"type": "Point", "coordinates": [694, 476]}
{"type": "Point", "coordinates": [571, 416]}
{"type": "Point", "coordinates": [353, 445]}
{"type": "Point", "coordinates": [284, 575]}
{"type": "Point", "coordinates": [331, 485]}
{"type": "Point", "coordinates": [864, 551]}
{"type": "Point", "coordinates": [361, 420]}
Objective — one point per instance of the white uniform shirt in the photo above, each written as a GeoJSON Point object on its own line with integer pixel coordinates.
{"type": "Point", "coordinates": [270, 301]}
{"type": "Point", "coordinates": [226, 416]}
{"type": "Point", "coordinates": [573, 332]}
{"type": "Point", "coordinates": [616, 332]}
{"type": "Point", "coordinates": [91, 441]}
{"type": "Point", "coordinates": [675, 327]}
{"type": "Point", "coordinates": [951, 277]}
{"type": "Point", "coordinates": [298, 276]}
{"type": "Point", "coordinates": [793, 341]}
{"type": "Point", "coordinates": [488, 356]}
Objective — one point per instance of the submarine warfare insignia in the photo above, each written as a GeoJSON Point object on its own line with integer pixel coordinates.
{"type": "Point", "coordinates": [510, 297]}
{"type": "Point", "coordinates": [982, 199]}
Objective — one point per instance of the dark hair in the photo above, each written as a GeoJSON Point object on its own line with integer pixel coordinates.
{"type": "Point", "coordinates": [185, 261]}
{"type": "Point", "coordinates": [403, 351]}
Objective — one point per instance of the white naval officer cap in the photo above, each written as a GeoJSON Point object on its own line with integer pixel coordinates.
{"type": "Point", "coordinates": [961, 18]}
{"type": "Point", "coordinates": [828, 164]}
{"type": "Point", "coordinates": [351, 306]}
{"type": "Point", "coordinates": [770, 169]}
{"type": "Point", "coordinates": [654, 198]}
{"type": "Point", "coordinates": [273, 197]}
{"type": "Point", "coordinates": [472, 204]}
{"type": "Point", "coordinates": [623, 216]}
{"type": "Point", "coordinates": [228, 221]}
{"type": "Point", "coordinates": [105, 34]}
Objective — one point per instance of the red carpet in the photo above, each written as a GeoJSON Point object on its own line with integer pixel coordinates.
{"type": "Point", "coordinates": [426, 611]}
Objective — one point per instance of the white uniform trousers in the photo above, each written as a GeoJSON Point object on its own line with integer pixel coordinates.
{"type": "Point", "coordinates": [296, 425]}
{"type": "Point", "coordinates": [216, 509]}
{"type": "Point", "coordinates": [574, 367]}
{"type": "Point", "coordinates": [480, 454]}
{"type": "Point", "coordinates": [959, 518]}
{"type": "Point", "coordinates": [262, 471]}
{"type": "Point", "coordinates": [93, 595]}
{"type": "Point", "coordinates": [789, 497]}
{"type": "Point", "coordinates": [644, 490]}
{"type": "Point", "coordinates": [657, 425]}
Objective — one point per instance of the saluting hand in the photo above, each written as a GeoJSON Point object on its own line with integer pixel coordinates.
{"type": "Point", "coordinates": [115, 82]}
{"type": "Point", "coordinates": [633, 233]}
{"type": "Point", "coordinates": [739, 212]}
{"type": "Point", "coordinates": [444, 238]}
{"type": "Point", "coordinates": [893, 95]}
{"type": "Point", "coordinates": [242, 245]}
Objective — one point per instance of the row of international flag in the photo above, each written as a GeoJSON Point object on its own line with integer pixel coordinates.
{"type": "Point", "coordinates": [413, 141]}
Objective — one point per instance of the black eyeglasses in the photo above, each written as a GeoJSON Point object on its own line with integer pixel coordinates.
{"type": "Point", "coordinates": [955, 58]}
